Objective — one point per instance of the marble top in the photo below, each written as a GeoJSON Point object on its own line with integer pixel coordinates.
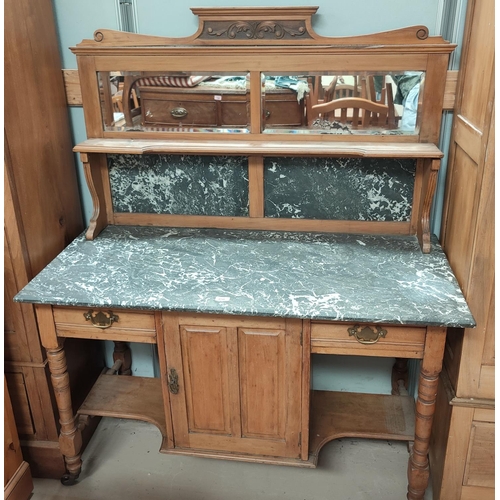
{"type": "Point", "coordinates": [343, 277]}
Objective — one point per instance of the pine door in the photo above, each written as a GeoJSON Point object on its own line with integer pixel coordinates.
{"type": "Point", "coordinates": [234, 383]}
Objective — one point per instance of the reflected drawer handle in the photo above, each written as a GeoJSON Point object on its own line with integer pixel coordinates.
{"type": "Point", "coordinates": [179, 112]}
{"type": "Point", "coordinates": [173, 381]}
{"type": "Point", "coordinates": [366, 335]}
{"type": "Point", "coordinates": [101, 319]}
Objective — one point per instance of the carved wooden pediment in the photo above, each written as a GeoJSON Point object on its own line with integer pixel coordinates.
{"type": "Point", "coordinates": [250, 26]}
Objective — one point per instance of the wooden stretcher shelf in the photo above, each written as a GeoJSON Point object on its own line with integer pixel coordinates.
{"type": "Point", "coordinates": [120, 396]}
{"type": "Point", "coordinates": [344, 414]}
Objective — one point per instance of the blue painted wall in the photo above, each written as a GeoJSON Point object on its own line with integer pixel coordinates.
{"type": "Point", "coordinates": [78, 20]}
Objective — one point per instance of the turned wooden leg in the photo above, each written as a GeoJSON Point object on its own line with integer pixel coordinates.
{"type": "Point", "coordinates": [418, 465]}
{"type": "Point", "coordinates": [70, 438]}
{"type": "Point", "coordinates": [399, 372]}
{"type": "Point", "coordinates": [122, 353]}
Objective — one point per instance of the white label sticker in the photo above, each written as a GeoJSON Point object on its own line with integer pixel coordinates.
{"type": "Point", "coordinates": [217, 97]}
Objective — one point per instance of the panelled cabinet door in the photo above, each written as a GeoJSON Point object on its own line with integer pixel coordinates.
{"type": "Point", "coordinates": [235, 388]}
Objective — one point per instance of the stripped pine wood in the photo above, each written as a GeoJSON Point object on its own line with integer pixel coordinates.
{"type": "Point", "coordinates": [239, 387]}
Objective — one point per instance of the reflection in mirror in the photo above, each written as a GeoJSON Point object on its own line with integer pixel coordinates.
{"type": "Point", "coordinates": [366, 103]}
{"type": "Point", "coordinates": [146, 101]}
{"type": "Point", "coordinates": [283, 102]}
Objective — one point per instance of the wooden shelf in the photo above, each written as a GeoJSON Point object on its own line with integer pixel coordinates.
{"type": "Point", "coordinates": [261, 147]}
{"type": "Point", "coordinates": [345, 414]}
{"type": "Point", "coordinates": [138, 398]}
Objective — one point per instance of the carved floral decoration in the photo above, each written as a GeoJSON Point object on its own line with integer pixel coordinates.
{"type": "Point", "coordinates": [255, 29]}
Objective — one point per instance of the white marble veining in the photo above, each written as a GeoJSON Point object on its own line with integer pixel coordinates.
{"type": "Point", "coordinates": [179, 184]}
{"type": "Point", "coordinates": [339, 188]}
{"type": "Point", "coordinates": [346, 277]}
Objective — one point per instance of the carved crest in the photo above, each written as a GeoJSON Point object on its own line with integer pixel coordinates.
{"type": "Point", "coordinates": [255, 30]}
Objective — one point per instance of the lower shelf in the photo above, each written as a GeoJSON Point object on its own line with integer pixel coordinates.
{"type": "Point", "coordinates": [344, 414]}
{"type": "Point", "coordinates": [120, 396]}
{"type": "Point", "coordinates": [333, 415]}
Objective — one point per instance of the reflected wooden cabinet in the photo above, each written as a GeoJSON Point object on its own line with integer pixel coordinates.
{"type": "Point", "coordinates": [235, 384]}
{"type": "Point", "coordinates": [212, 108]}
{"type": "Point", "coordinates": [190, 107]}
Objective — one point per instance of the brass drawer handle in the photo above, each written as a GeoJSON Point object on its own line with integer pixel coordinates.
{"type": "Point", "coordinates": [179, 112]}
{"type": "Point", "coordinates": [173, 381]}
{"type": "Point", "coordinates": [366, 335]}
{"type": "Point", "coordinates": [101, 319]}
{"type": "Point", "coordinates": [267, 114]}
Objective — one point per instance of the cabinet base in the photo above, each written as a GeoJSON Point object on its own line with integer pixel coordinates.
{"type": "Point", "coordinates": [294, 462]}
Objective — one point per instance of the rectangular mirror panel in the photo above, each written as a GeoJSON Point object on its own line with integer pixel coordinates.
{"type": "Point", "coordinates": [367, 103]}
{"type": "Point", "coordinates": [145, 101]}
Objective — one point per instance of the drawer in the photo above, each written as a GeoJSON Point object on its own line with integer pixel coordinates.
{"type": "Point", "coordinates": [193, 107]}
{"type": "Point", "coordinates": [234, 113]}
{"type": "Point", "coordinates": [127, 326]}
{"type": "Point", "coordinates": [283, 110]}
{"type": "Point", "coordinates": [342, 338]}
{"type": "Point", "coordinates": [175, 112]}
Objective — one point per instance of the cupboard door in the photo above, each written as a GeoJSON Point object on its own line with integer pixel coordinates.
{"type": "Point", "coordinates": [262, 375]}
{"type": "Point", "coordinates": [234, 389]}
{"type": "Point", "coordinates": [205, 360]}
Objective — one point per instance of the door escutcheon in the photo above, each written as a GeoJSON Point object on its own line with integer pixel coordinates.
{"type": "Point", "coordinates": [173, 381]}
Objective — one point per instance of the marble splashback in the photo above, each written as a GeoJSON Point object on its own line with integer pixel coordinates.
{"type": "Point", "coordinates": [374, 189]}
{"type": "Point", "coordinates": [179, 184]}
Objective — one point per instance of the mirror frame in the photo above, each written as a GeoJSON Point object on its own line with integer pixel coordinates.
{"type": "Point", "coordinates": [226, 42]}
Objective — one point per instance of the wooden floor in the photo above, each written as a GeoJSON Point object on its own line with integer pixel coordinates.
{"type": "Point", "coordinates": [122, 463]}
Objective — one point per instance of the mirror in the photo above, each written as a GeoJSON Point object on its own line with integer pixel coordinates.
{"type": "Point", "coordinates": [364, 103]}
{"type": "Point", "coordinates": [146, 101]}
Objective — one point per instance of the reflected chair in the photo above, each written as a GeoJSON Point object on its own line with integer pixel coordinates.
{"type": "Point", "coordinates": [117, 102]}
{"type": "Point", "coordinates": [386, 97]}
{"type": "Point", "coordinates": [347, 90]}
{"type": "Point", "coordinates": [353, 111]}
{"type": "Point", "coordinates": [356, 105]}
{"type": "Point", "coordinates": [338, 90]}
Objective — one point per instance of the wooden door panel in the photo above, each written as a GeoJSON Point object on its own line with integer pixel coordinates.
{"type": "Point", "coordinates": [262, 382]}
{"type": "Point", "coordinates": [459, 230]}
{"type": "Point", "coordinates": [239, 389]}
{"type": "Point", "coordinates": [205, 361]}
{"type": "Point", "coordinates": [15, 343]}
{"type": "Point", "coordinates": [480, 468]}
{"type": "Point", "coordinates": [486, 384]}
{"type": "Point", "coordinates": [20, 403]}
{"type": "Point", "coordinates": [21, 333]}
{"type": "Point", "coordinates": [479, 68]}
{"type": "Point", "coordinates": [489, 341]}
{"type": "Point", "coordinates": [205, 405]}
